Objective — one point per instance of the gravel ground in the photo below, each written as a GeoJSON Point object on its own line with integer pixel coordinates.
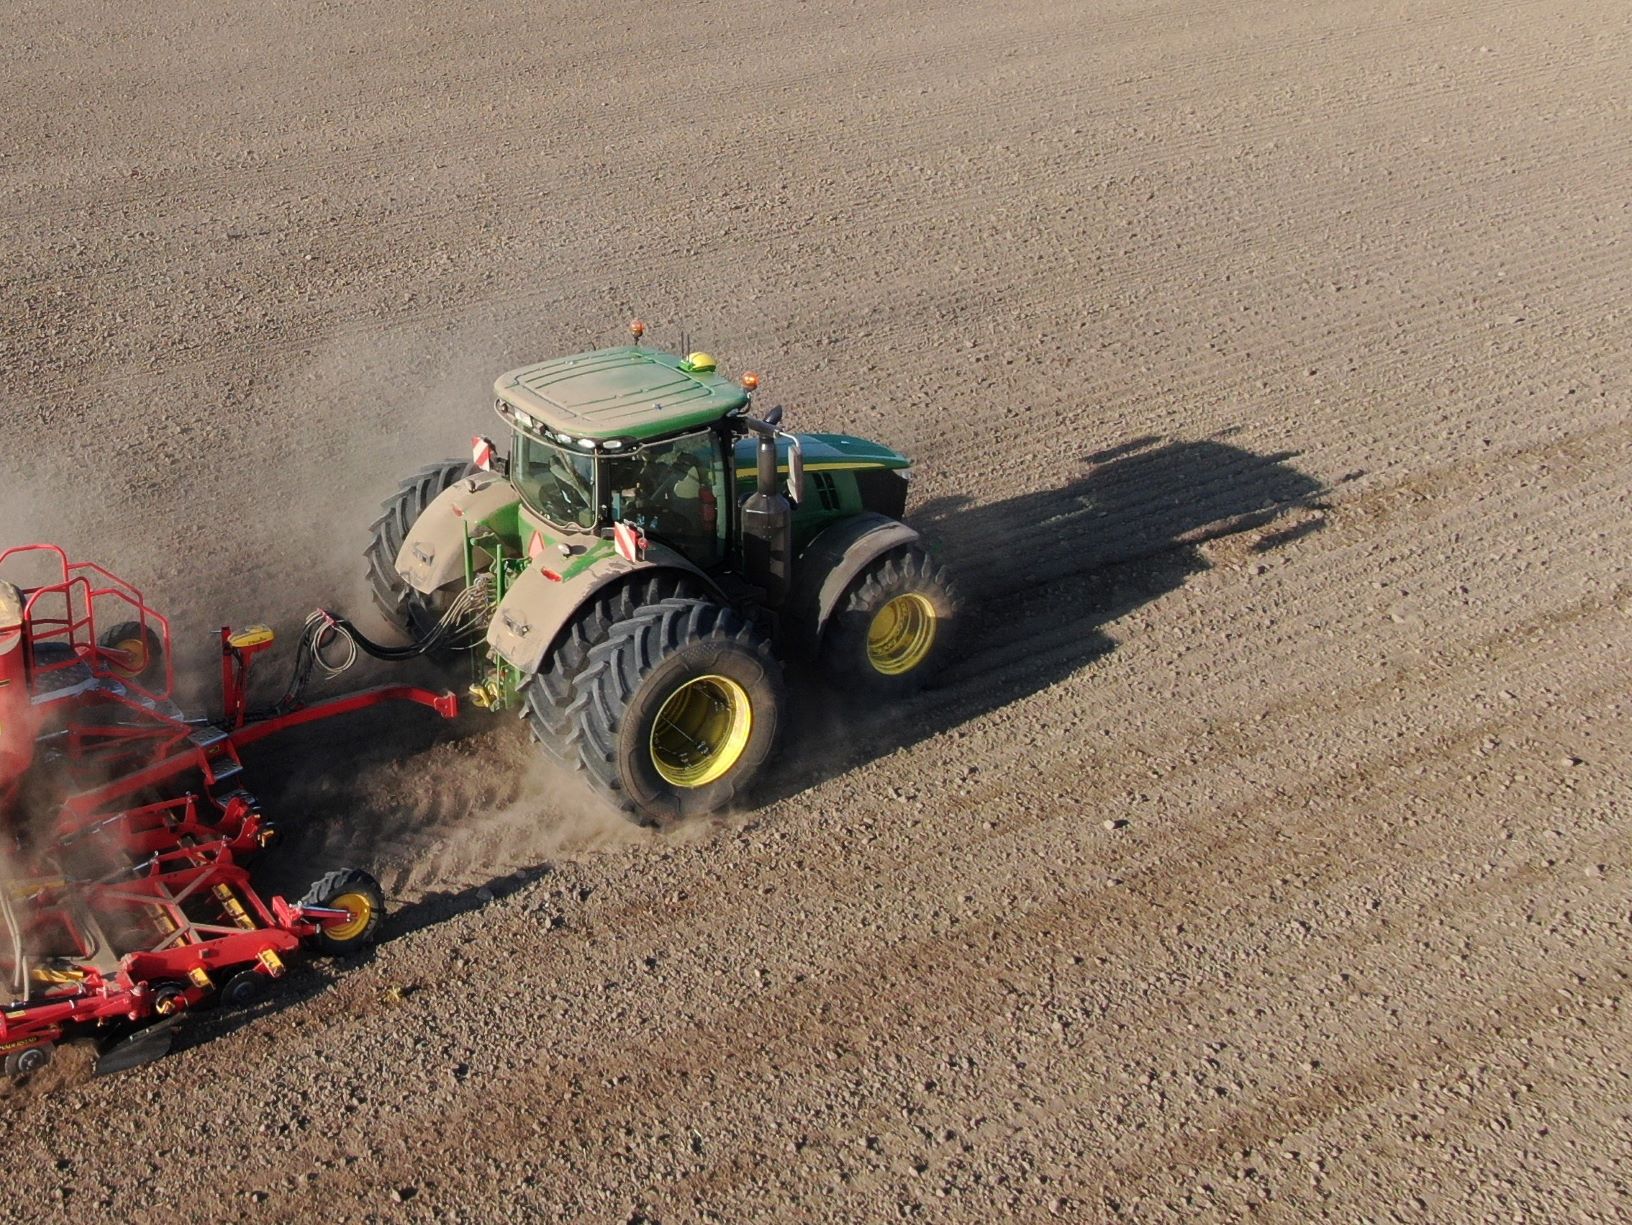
{"type": "Point", "coordinates": [1267, 370]}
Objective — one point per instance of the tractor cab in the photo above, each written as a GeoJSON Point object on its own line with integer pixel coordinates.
{"type": "Point", "coordinates": [668, 487]}
{"type": "Point", "coordinates": [627, 435]}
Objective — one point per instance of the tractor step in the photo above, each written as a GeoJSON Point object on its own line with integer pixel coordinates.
{"type": "Point", "coordinates": [207, 737]}
{"type": "Point", "coordinates": [220, 772]}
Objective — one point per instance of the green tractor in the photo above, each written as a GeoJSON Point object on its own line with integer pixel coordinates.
{"type": "Point", "coordinates": [631, 575]}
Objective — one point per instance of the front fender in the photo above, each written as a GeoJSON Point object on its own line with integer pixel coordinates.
{"type": "Point", "coordinates": [433, 552]}
{"type": "Point", "coordinates": [544, 598]}
{"type": "Point", "coordinates": [827, 567]}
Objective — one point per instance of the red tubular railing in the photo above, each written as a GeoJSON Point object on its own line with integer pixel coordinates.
{"type": "Point", "coordinates": [76, 628]}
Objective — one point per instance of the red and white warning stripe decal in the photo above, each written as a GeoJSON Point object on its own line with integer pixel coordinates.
{"type": "Point", "coordinates": [629, 541]}
{"type": "Point", "coordinates": [481, 452]}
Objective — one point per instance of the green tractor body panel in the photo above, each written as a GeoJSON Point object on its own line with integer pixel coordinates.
{"type": "Point", "coordinates": [844, 476]}
{"type": "Point", "coordinates": [564, 567]}
{"type": "Point", "coordinates": [543, 598]}
{"type": "Point", "coordinates": [625, 393]}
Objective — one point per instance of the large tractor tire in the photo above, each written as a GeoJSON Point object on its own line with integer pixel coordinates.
{"type": "Point", "coordinates": [679, 710]}
{"type": "Point", "coordinates": [549, 695]}
{"type": "Point", "coordinates": [414, 613]}
{"type": "Point", "coordinates": [895, 627]}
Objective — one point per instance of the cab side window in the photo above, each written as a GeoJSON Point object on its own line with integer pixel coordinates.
{"type": "Point", "coordinates": [670, 490]}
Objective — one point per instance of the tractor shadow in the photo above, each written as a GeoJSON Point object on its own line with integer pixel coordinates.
{"type": "Point", "coordinates": [1041, 573]}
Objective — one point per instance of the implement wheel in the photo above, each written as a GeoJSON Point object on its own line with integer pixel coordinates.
{"type": "Point", "coordinates": [895, 627]}
{"type": "Point", "coordinates": [678, 710]}
{"type": "Point", "coordinates": [412, 612]}
{"type": "Point", "coordinates": [360, 896]}
{"type": "Point", "coordinates": [134, 652]}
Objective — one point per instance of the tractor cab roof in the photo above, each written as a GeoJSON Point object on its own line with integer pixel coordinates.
{"type": "Point", "coordinates": [627, 392]}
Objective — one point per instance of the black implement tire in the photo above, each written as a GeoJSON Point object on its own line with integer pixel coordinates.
{"type": "Point", "coordinates": [895, 627]}
{"type": "Point", "coordinates": [357, 893]}
{"type": "Point", "coordinates": [138, 654]}
{"type": "Point", "coordinates": [678, 711]}
{"type": "Point", "coordinates": [549, 695]}
{"type": "Point", "coordinates": [412, 612]}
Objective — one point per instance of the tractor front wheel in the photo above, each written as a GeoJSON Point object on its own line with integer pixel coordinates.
{"type": "Point", "coordinates": [412, 612]}
{"type": "Point", "coordinates": [679, 710]}
{"type": "Point", "coordinates": [895, 626]}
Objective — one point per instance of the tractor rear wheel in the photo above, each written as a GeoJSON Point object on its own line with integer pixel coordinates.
{"type": "Point", "coordinates": [895, 626]}
{"type": "Point", "coordinates": [550, 693]}
{"type": "Point", "coordinates": [412, 612]}
{"type": "Point", "coordinates": [679, 710]}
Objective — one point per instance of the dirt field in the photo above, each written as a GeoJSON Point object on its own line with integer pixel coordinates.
{"type": "Point", "coordinates": [1267, 369]}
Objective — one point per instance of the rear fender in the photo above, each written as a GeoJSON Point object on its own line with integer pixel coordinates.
{"type": "Point", "coordinates": [827, 567]}
{"type": "Point", "coordinates": [433, 552]}
{"type": "Point", "coordinates": [537, 607]}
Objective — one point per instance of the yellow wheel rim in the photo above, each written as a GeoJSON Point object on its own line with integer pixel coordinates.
{"type": "Point", "coordinates": [361, 909]}
{"type": "Point", "coordinates": [901, 635]}
{"type": "Point", "coordinates": [701, 731]}
{"type": "Point", "coordinates": [130, 656]}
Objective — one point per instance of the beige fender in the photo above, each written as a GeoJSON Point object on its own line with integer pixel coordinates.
{"type": "Point", "coordinates": [537, 607]}
{"type": "Point", "coordinates": [827, 567]}
{"type": "Point", "coordinates": [433, 552]}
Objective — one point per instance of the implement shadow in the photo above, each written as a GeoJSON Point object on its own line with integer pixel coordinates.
{"type": "Point", "coordinates": [1040, 573]}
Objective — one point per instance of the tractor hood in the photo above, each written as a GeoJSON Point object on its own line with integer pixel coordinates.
{"type": "Point", "coordinates": [825, 451]}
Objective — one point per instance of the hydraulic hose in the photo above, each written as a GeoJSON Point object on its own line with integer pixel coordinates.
{"type": "Point", "coordinates": [331, 644]}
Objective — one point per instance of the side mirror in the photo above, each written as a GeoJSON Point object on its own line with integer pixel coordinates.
{"type": "Point", "coordinates": [796, 470]}
{"type": "Point", "coordinates": [774, 417]}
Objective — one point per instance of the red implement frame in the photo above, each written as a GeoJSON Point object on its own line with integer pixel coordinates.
{"type": "Point", "coordinates": [145, 905]}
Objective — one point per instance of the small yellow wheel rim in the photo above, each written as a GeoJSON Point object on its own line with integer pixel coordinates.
{"type": "Point", "coordinates": [361, 909]}
{"type": "Point", "coordinates": [701, 731]}
{"type": "Point", "coordinates": [130, 656]}
{"type": "Point", "coordinates": [901, 635]}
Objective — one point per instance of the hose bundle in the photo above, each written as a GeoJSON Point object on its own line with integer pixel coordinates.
{"type": "Point", "coordinates": [331, 644]}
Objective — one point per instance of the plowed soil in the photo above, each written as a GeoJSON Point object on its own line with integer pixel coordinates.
{"type": "Point", "coordinates": [1266, 366]}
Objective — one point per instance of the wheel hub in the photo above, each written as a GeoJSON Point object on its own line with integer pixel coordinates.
{"type": "Point", "coordinates": [701, 731]}
{"type": "Point", "coordinates": [131, 656]}
{"type": "Point", "coordinates": [359, 907]}
{"type": "Point", "coordinates": [901, 635]}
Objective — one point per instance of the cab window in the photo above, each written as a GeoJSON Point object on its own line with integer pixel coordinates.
{"type": "Point", "coordinates": [671, 490]}
{"type": "Point", "coordinates": [556, 482]}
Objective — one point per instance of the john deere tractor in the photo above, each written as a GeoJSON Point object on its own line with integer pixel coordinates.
{"type": "Point", "coordinates": [631, 575]}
